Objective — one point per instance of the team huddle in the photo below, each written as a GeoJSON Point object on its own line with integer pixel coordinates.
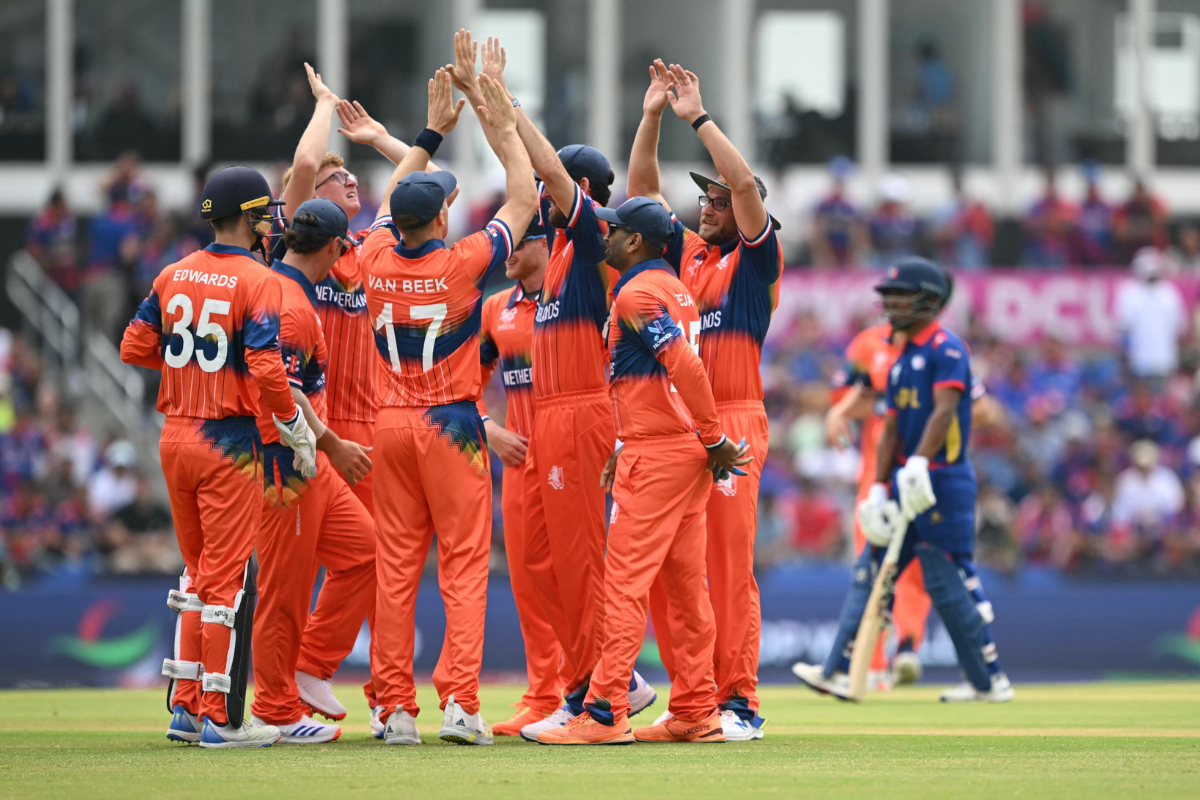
{"type": "Point", "coordinates": [326, 410]}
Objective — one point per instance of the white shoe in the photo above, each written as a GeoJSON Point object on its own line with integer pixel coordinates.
{"type": "Point", "coordinates": [401, 728]}
{"type": "Point", "coordinates": [1001, 692]}
{"type": "Point", "coordinates": [813, 676]}
{"type": "Point", "coordinates": [737, 729]}
{"type": "Point", "coordinates": [248, 735]}
{"type": "Point", "coordinates": [556, 720]}
{"type": "Point", "coordinates": [319, 694]}
{"type": "Point", "coordinates": [906, 668]}
{"type": "Point", "coordinates": [377, 725]}
{"type": "Point", "coordinates": [306, 731]}
{"type": "Point", "coordinates": [879, 680]}
{"type": "Point", "coordinates": [459, 727]}
{"type": "Point", "coordinates": [666, 716]}
{"type": "Point", "coordinates": [641, 696]}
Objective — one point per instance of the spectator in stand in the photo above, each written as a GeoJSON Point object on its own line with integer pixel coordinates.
{"type": "Point", "coordinates": [1181, 547]}
{"type": "Point", "coordinates": [1054, 377]}
{"type": "Point", "coordinates": [894, 229]}
{"type": "Point", "coordinates": [1148, 497]}
{"type": "Point", "coordinates": [26, 525]}
{"type": "Point", "coordinates": [139, 538]}
{"type": "Point", "coordinates": [113, 247]}
{"type": "Point", "coordinates": [1049, 228]}
{"type": "Point", "coordinates": [115, 484]}
{"type": "Point", "coordinates": [1185, 259]}
{"type": "Point", "coordinates": [1153, 319]}
{"type": "Point", "coordinates": [52, 239]}
{"type": "Point", "coordinates": [839, 236]}
{"type": "Point", "coordinates": [963, 230]}
{"type": "Point", "coordinates": [1046, 528]}
{"type": "Point", "coordinates": [1094, 233]}
{"type": "Point", "coordinates": [819, 531]}
{"type": "Point", "coordinates": [1141, 222]}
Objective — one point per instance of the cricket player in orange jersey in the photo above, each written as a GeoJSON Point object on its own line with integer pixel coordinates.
{"type": "Point", "coordinates": [308, 522]}
{"type": "Point", "coordinates": [342, 307]}
{"type": "Point", "coordinates": [572, 420]}
{"type": "Point", "coordinates": [430, 454]}
{"type": "Point", "coordinates": [731, 266]}
{"type": "Point", "coordinates": [505, 342]}
{"type": "Point", "coordinates": [211, 325]}
{"type": "Point", "coordinates": [667, 420]}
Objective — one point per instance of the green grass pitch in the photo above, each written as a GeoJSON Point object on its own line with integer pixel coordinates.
{"type": "Point", "coordinates": [1060, 741]}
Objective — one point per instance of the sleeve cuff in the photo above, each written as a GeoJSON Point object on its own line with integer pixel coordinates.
{"type": "Point", "coordinates": [950, 384]}
{"type": "Point", "coordinates": [500, 229]}
{"type": "Point", "coordinates": [757, 240]}
{"type": "Point", "coordinates": [717, 443]}
{"type": "Point", "coordinates": [576, 206]}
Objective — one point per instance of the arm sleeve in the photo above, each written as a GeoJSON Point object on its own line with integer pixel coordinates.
{"type": "Point", "coordinates": [294, 350]}
{"type": "Point", "coordinates": [585, 229]}
{"type": "Point", "coordinates": [951, 368]}
{"type": "Point", "coordinates": [763, 253]}
{"type": "Point", "coordinates": [142, 343]}
{"type": "Point", "coordinates": [484, 252]}
{"type": "Point", "coordinates": [263, 357]}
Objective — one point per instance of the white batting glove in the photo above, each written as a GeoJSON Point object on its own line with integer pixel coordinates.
{"type": "Point", "coordinates": [877, 515]}
{"type": "Point", "coordinates": [915, 488]}
{"type": "Point", "coordinates": [297, 435]}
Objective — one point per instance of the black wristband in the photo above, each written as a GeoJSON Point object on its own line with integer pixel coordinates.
{"type": "Point", "coordinates": [700, 120]}
{"type": "Point", "coordinates": [428, 140]}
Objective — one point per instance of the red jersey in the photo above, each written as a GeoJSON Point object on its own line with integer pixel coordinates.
{"type": "Point", "coordinates": [342, 305]}
{"type": "Point", "coordinates": [425, 304]}
{"type": "Point", "coordinates": [569, 353]}
{"type": "Point", "coordinates": [736, 286]}
{"type": "Point", "coordinates": [657, 382]}
{"type": "Point", "coordinates": [506, 339]}
{"type": "Point", "coordinates": [211, 325]}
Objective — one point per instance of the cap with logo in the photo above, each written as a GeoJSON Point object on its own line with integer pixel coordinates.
{"type": "Point", "coordinates": [641, 215]}
{"type": "Point", "coordinates": [420, 195]}
{"type": "Point", "coordinates": [719, 182]}
{"type": "Point", "coordinates": [585, 161]}
{"type": "Point", "coordinates": [915, 275]}
{"type": "Point", "coordinates": [330, 219]}
{"type": "Point", "coordinates": [234, 190]}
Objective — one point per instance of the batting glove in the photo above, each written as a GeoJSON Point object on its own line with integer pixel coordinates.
{"type": "Point", "coordinates": [296, 434]}
{"type": "Point", "coordinates": [915, 488]}
{"type": "Point", "coordinates": [877, 516]}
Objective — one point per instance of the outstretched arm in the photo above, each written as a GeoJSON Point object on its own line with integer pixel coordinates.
{"type": "Point", "coordinates": [643, 158]}
{"type": "Point", "coordinates": [462, 74]}
{"type": "Point", "coordinates": [500, 115]}
{"type": "Point", "coordinates": [361, 128]}
{"type": "Point", "coordinates": [748, 208]}
{"type": "Point", "coordinates": [313, 144]}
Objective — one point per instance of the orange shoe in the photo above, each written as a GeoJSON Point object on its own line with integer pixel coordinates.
{"type": "Point", "coordinates": [585, 730]}
{"type": "Point", "coordinates": [680, 730]}
{"type": "Point", "coordinates": [512, 727]}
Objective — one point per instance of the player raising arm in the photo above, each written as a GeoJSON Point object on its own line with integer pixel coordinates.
{"type": "Point", "coordinates": [430, 453]}
{"type": "Point", "coordinates": [732, 268]}
{"type": "Point", "coordinates": [211, 325]}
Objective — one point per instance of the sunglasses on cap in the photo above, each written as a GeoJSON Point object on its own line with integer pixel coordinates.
{"type": "Point", "coordinates": [341, 176]}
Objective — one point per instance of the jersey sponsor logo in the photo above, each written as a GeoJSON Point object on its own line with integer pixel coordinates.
{"type": "Point", "coordinates": [918, 362]}
{"type": "Point", "coordinates": [327, 294]}
{"type": "Point", "coordinates": [207, 278]}
{"type": "Point", "coordinates": [710, 320]}
{"type": "Point", "coordinates": [508, 315]}
{"type": "Point", "coordinates": [547, 312]}
{"type": "Point", "coordinates": [518, 377]}
{"type": "Point", "coordinates": [555, 478]}
{"type": "Point", "coordinates": [950, 351]}
{"type": "Point", "coordinates": [661, 334]}
{"type": "Point", "coordinates": [728, 486]}
{"type": "Point", "coordinates": [724, 262]}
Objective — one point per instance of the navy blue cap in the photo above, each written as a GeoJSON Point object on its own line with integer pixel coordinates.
{"type": "Point", "coordinates": [535, 229]}
{"type": "Point", "coordinates": [331, 219]}
{"type": "Point", "coordinates": [915, 274]}
{"type": "Point", "coordinates": [233, 190]}
{"type": "Point", "coordinates": [585, 161]}
{"type": "Point", "coordinates": [641, 215]}
{"type": "Point", "coordinates": [421, 195]}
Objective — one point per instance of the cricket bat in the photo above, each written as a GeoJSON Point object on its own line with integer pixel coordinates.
{"type": "Point", "coordinates": [873, 617]}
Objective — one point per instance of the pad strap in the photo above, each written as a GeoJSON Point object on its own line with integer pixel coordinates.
{"type": "Point", "coordinates": [179, 601]}
{"type": "Point", "coordinates": [216, 682]}
{"type": "Point", "coordinates": [182, 670]}
{"type": "Point", "coordinates": [220, 615]}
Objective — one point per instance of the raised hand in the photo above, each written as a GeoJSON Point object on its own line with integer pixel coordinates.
{"type": "Point", "coordinates": [657, 95]}
{"type": "Point", "coordinates": [319, 89]}
{"type": "Point", "coordinates": [462, 72]}
{"type": "Point", "coordinates": [494, 59]}
{"type": "Point", "coordinates": [443, 111]}
{"type": "Point", "coordinates": [498, 112]}
{"type": "Point", "coordinates": [685, 102]}
{"type": "Point", "coordinates": [357, 125]}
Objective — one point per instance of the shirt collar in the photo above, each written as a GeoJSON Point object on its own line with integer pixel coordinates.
{"type": "Point", "coordinates": [229, 250]}
{"type": "Point", "coordinates": [729, 247]}
{"type": "Point", "coordinates": [424, 249]}
{"type": "Point", "coordinates": [519, 295]}
{"type": "Point", "coordinates": [922, 338]}
{"type": "Point", "coordinates": [638, 269]}
{"type": "Point", "coordinates": [299, 277]}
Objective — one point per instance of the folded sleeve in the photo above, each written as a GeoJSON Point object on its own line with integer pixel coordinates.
{"type": "Point", "coordinates": [141, 345]}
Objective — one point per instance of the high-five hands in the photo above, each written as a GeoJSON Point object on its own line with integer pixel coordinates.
{"type": "Point", "coordinates": [319, 89]}
{"type": "Point", "coordinates": [685, 101]}
{"type": "Point", "coordinates": [498, 111]}
{"type": "Point", "coordinates": [443, 111]}
{"type": "Point", "coordinates": [657, 96]}
{"type": "Point", "coordinates": [357, 125]}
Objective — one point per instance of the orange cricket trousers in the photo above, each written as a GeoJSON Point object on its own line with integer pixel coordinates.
{"type": "Point", "coordinates": [323, 523]}
{"type": "Point", "coordinates": [213, 470]}
{"type": "Point", "coordinates": [432, 466]}
{"type": "Point", "coordinates": [910, 611]}
{"type": "Point", "coordinates": [572, 438]}
{"type": "Point", "coordinates": [657, 533]}
{"type": "Point", "coordinates": [732, 514]}
{"type": "Point", "coordinates": [543, 655]}
{"type": "Point", "coordinates": [362, 433]}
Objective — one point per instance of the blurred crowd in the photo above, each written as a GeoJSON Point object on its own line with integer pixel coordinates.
{"type": "Point", "coordinates": [71, 505]}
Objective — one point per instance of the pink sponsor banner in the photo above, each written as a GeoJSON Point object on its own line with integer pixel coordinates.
{"type": "Point", "coordinates": [1018, 306]}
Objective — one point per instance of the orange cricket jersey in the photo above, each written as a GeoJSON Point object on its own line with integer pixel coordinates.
{"type": "Point", "coordinates": [425, 304]}
{"type": "Point", "coordinates": [506, 342]}
{"type": "Point", "coordinates": [342, 305]}
{"type": "Point", "coordinates": [569, 353]}
{"type": "Point", "coordinates": [657, 381]}
{"type": "Point", "coordinates": [211, 325]}
{"type": "Point", "coordinates": [869, 356]}
{"type": "Point", "coordinates": [736, 286]}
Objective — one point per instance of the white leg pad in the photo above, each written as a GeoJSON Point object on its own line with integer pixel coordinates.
{"type": "Point", "coordinates": [216, 682]}
{"type": "Point", "coordinates": [179, 601]}
{"type": "Point", "coordinates": [182, 670]}
{"type": "Point", "coordinates": [218, 615]}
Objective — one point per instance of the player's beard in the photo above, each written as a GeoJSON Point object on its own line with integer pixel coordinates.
{"type": "Point", "coordinates": [557, 218]}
